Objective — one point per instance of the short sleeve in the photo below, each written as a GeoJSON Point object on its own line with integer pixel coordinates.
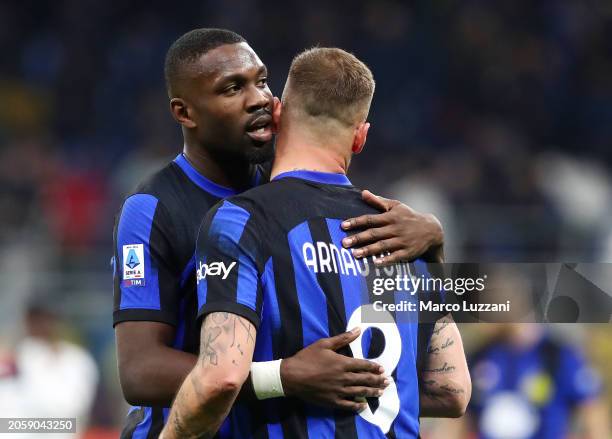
{"type": "Point", "coordinates": [227, 273]}
{"type": "Point", "coordinates": [581, 381]}
{"type": "Point", "coordinates": [146, 285]}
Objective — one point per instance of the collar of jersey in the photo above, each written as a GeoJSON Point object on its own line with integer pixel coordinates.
{"type": "Point", "coordinates": [203, 182]}
{"type": "Point", "coordinates": [319, 177]}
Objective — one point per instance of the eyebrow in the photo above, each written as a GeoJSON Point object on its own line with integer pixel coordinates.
{"type": "Point", "coordinates": [240, 76]}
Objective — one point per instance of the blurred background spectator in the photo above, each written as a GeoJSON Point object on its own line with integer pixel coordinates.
{"type": "Point", "coordinates": [46, 376]}
{"type": "Point", "coordinates": [495, 116]}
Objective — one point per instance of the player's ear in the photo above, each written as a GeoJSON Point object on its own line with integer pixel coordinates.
{"type": "Point", "coordinates": [276, 114]}
{"type": "Point", "coordinates": [361, 134]}
{"type": "Point", "coordinates": [181, 112]}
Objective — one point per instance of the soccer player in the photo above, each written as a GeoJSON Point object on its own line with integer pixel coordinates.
{"type": "Point", "coordinates": [218, 93]}
{"type": "Point", "coordinates": [527, 384]}
{"type": "Point", "coordinates": [273, 278]}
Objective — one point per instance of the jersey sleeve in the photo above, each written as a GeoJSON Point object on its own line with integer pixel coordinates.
{"type": "Point", "coordinates": [227, 273]}
{"type": "Point", "coordinates": [581, 381]}
{"type": "Point", "coordinates": [146, 285]}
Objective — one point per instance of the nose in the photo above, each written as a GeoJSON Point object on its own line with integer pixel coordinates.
{"type": "Point", "coordinates": [257, 99]}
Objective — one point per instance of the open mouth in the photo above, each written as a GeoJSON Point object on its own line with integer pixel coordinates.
{"type": "Point", "coordinates": [260, 129]}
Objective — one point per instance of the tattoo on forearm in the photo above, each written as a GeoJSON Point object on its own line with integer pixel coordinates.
{"type": "Point", "coordinates": [449, 342]}
{"type": "Point", "coordinates": [443, 324]}
{"type": "Point", "coordinates": [446, 368]}
{"type": "Point", "coordinates": [450, 389]}
{"type": "Point", "coordinates": [180, 429]}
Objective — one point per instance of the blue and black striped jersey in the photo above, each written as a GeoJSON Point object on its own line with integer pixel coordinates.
{"type": "Point", "coordinates": [154, 262]}
{"type": "Point", "coordinates": [273, 255]}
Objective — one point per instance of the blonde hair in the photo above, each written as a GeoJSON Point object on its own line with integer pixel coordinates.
{"type": "Point", "coordinates": [329, 83]}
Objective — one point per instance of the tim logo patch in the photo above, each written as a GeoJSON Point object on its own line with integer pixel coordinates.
{"type": "Point", "coordinates": [133, 265]}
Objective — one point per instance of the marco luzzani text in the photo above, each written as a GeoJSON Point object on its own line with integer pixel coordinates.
{"type": "Point", "coordinates": [323, 257]}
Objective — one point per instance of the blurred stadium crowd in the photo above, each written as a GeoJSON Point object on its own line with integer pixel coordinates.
{"type": "Point", "coordinates": [495, 116]}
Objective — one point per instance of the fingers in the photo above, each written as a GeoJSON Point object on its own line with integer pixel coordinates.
{"type": "Point", "coordinates": [380, 203]}
{"type": "Point", "coordinates": [369, 236]}
{"type": "Point", "coordinates": [360, 365]}
{"type": "Point", "coordinates": [368, 221]}
{"type": "Point", "coordinates": [364, 379]}
{"type": "Point", "coordinates": [361, 392]}
{"type": "Point", "coordinates": [336, 342]}
{"type": "Point", "coordinates": [384, 247]}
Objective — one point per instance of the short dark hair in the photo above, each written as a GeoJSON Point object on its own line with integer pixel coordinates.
{"type": "Point", "coordinates": [191, 46]}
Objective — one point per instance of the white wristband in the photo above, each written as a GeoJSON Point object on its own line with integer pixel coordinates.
{"type": "Point", "coordinates": [266, 379]}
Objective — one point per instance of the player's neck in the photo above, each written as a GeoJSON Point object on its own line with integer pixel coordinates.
{"type": "Point", "coordinates": [300, 154]}
{"type": "Point", "coordinates": [231, 174]}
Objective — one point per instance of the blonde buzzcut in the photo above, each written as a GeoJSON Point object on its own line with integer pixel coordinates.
{"type": "Point", "coordinates": [329, 83]}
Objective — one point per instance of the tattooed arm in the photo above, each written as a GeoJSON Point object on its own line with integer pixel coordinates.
{"type": "Point", "coordinates": [444, 381]}
{"type": "Point", "coordinates": [208, 392]}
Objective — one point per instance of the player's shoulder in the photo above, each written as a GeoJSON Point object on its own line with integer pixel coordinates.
{"type": "Point", "coordinates": [151, 197]}
{"type": "Point", "coordinates": [162, 184]}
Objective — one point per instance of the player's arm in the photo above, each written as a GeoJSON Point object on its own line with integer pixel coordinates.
{"type": "Point", "coordinates": [317, 373]}
{"type": "Point", "coordinates": [399, 230]}
{"type": "Point", "coordinates": [210, 389]}
{"type": "Point", "coordinates": [445, 386]}
{"type": "Point", "coordinates": [146, 304]}
{"type": "Point", "coordinates": [145, 355]}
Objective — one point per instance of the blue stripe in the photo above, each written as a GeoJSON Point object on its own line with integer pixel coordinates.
{"type": "Point", "coordinates": [407, 421]}
{"type": "Point", "coordinates": [201, 181]}
{"type": "Point", "coordinates": [202, 288]}
{"type": "Point", "coordinates": [225, 432]}
{"type": "Point", "coordinates": [142, 430]}
{"type": "Point", "coordinates": [275, 431]}
{"type": "Point", "coordinates": [135, 228]}
{"type": "Point", "coordinates": [241, 422]}
{"type": "Point", "coordinates": [313, 308]}
{"type": "Point", "coordinates": [246, 288]}
{"type": "Point", "coordinates": [355, 293]}
{"type": "Point", "coordinates": [318, 177]}
{"type": "Point", "coordinates": [188, 270]}
{"type": "Point", "coordinates": [228, 226]}
{"type": "Point", "coordinates": [270, 319]}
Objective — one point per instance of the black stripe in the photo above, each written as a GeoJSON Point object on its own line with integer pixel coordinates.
{"type": "Point", "coordinates": [157, 423]}
{"type": "Point", "coordinates": [133, 419]}
{"type": "Point", "coordinates": [191, 341]}
{"type": "Point", "coordinates": [163, 258]}
{"type": "Point", "coordinates": [336, 317]}
{"type": "Point", "coordinates": [292, 413]}
{"type": "Point", "coordinates": [391, 433]}
{"type": "Point", "coordinates": [259, 426]}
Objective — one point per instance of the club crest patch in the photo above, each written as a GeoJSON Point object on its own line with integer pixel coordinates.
{"type": "Point", "coordinates": [133, 265]}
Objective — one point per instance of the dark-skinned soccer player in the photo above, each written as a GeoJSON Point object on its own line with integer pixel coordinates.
{"type": "Point", "coordinates": [219, 95]}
